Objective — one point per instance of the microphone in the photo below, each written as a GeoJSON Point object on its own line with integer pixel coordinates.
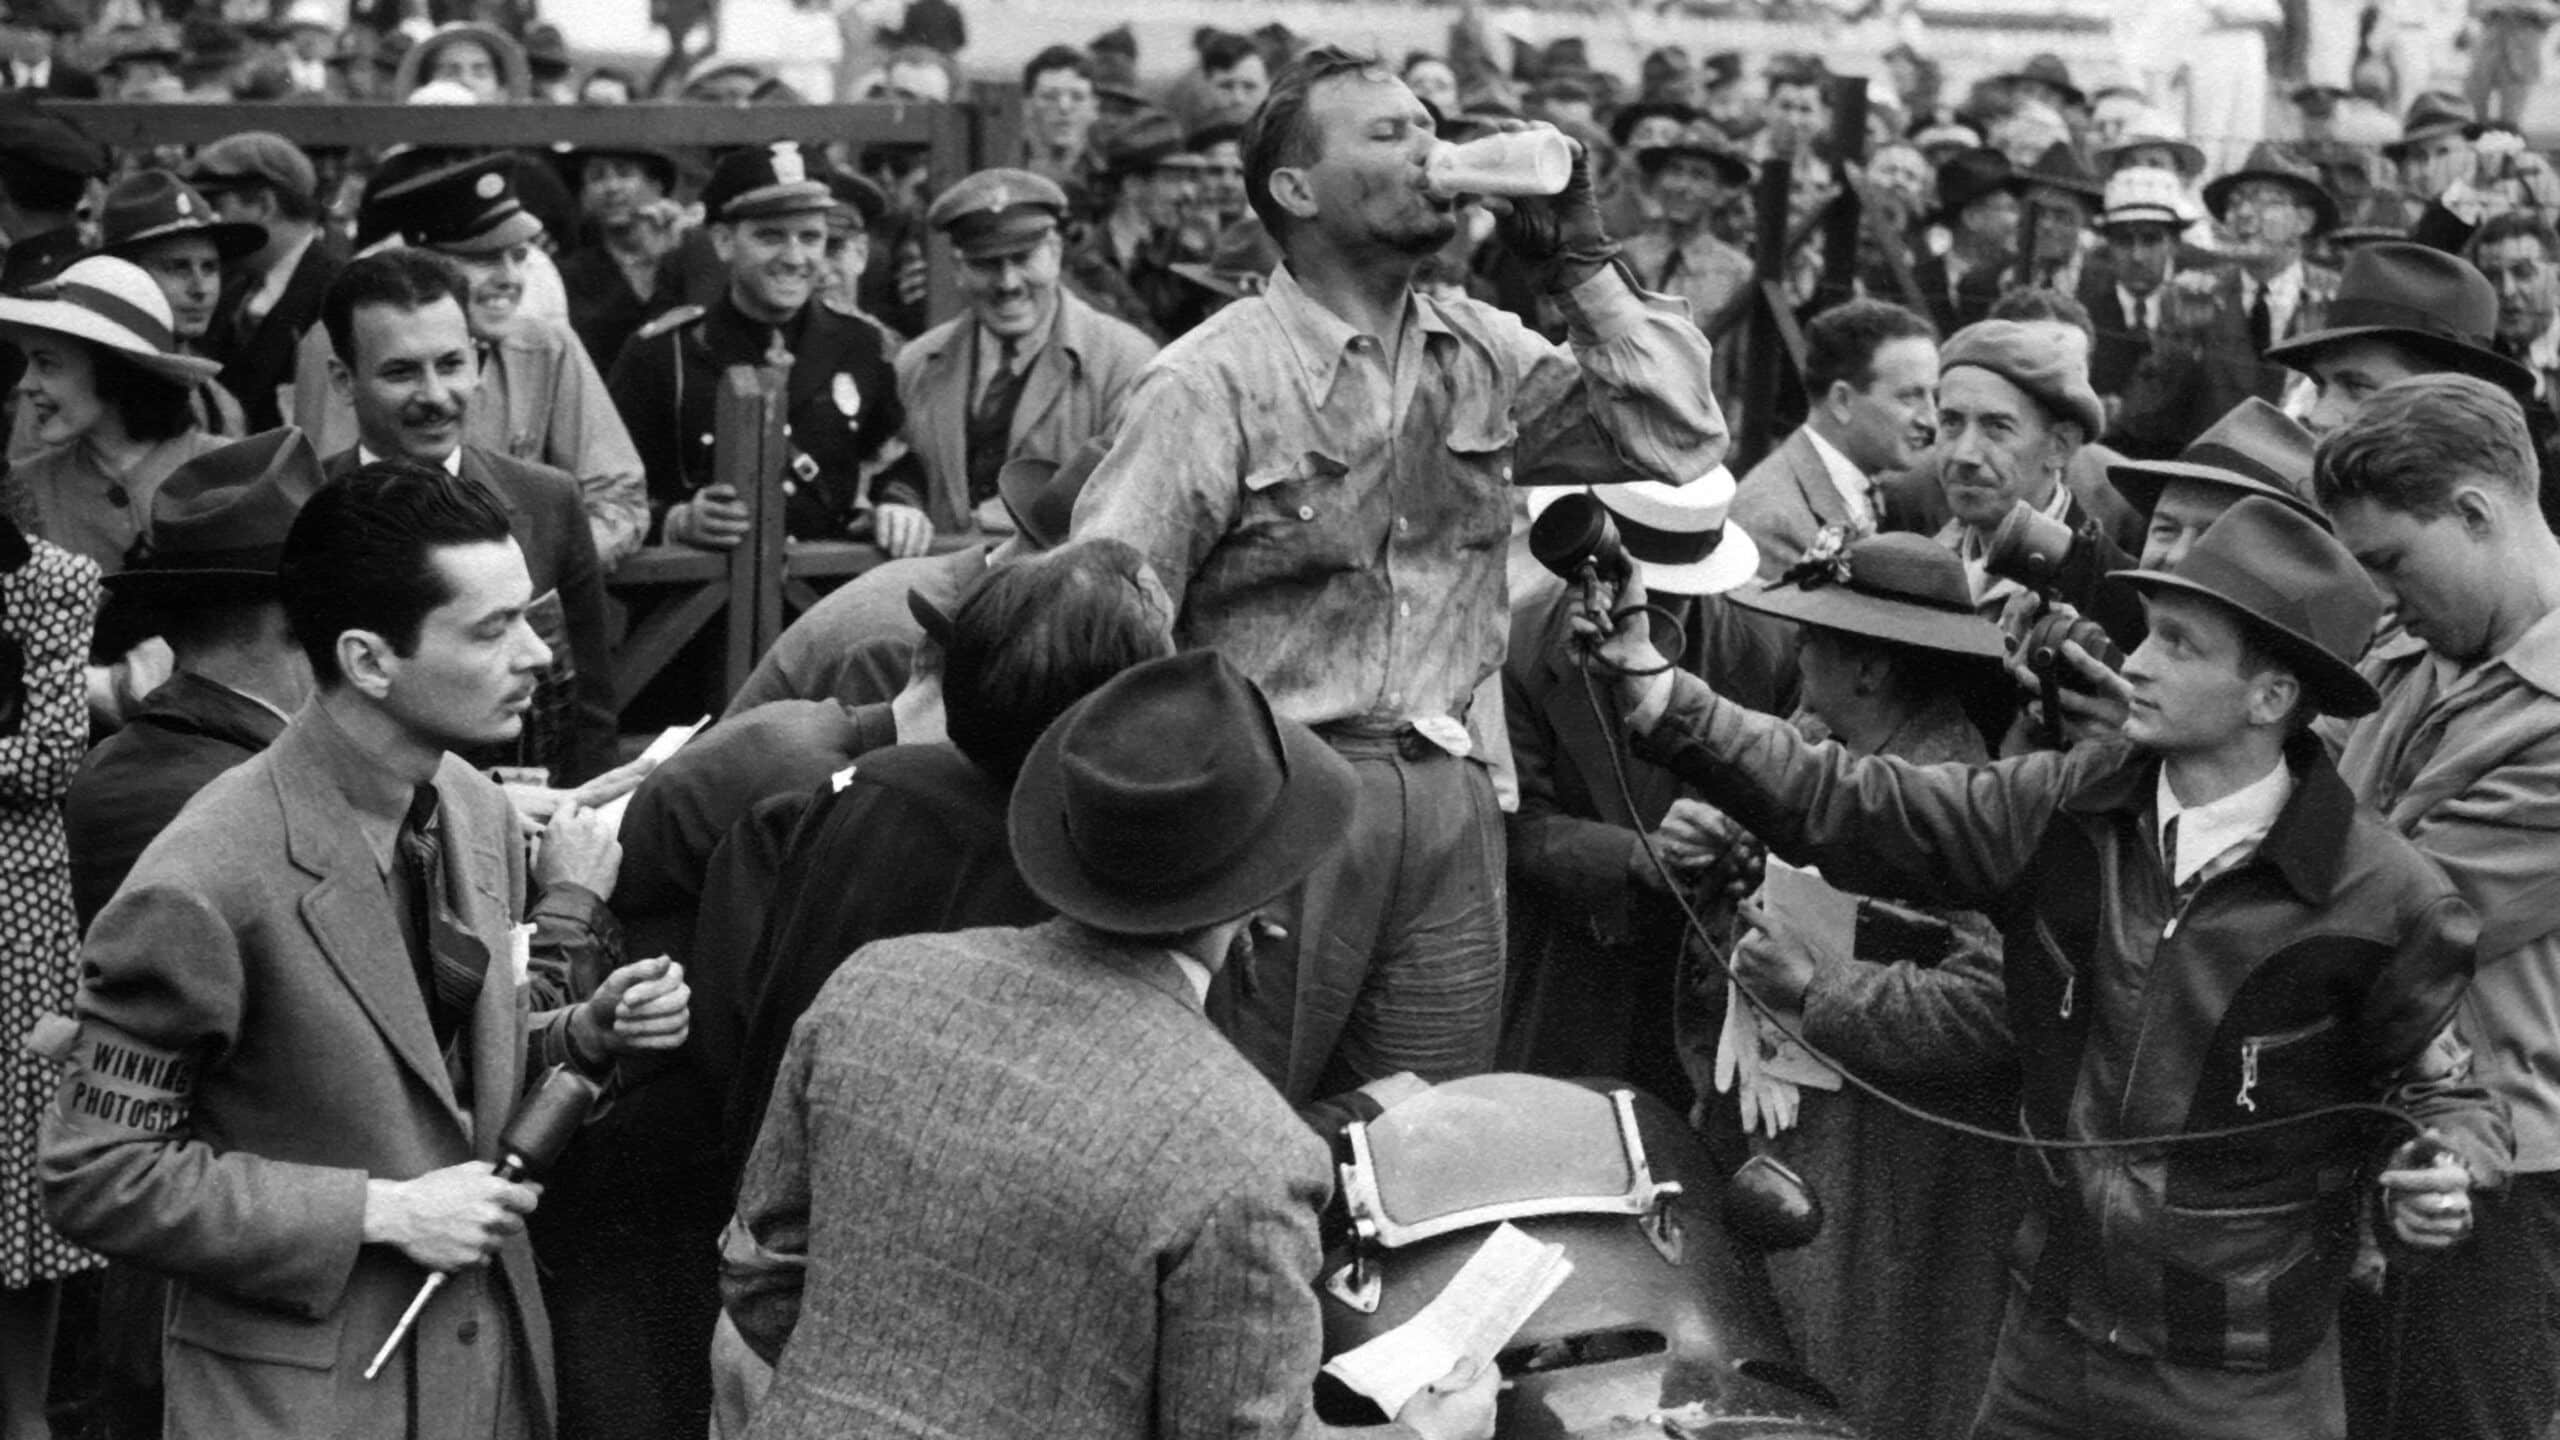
{"type": "Point", "coordinates": [1575, 539]}
{"type": "Point", "coordinates": [534, 1137]}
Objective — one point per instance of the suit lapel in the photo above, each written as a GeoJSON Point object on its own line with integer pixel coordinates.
{"type": "Point", "coordinates": [1820, 495]}
{"type": "Point", "coordinates": [1051, 371]}
{"type": "Point", "coordinates": [941, 410]}
{"type": "Point", "coordinates": [1583, 744]}
{"type": "Point", "coordinates": [349, 912]}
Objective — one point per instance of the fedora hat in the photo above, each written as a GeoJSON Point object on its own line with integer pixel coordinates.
{"type": "Point", "coordinates": [1975, 174]}
{"type": "Point", "coordinates": [2254, 448]}
{"type": "Point", "coordinates": [222, 517]}
{"type": "Point", "coordinates": [2292, 583]}
{"type": "Point", "coordinates": [1040, 494]}
{"type": "Point", "coordinates": [2422, 299]}
{"type": "Point", "coordinates": [1244, 258]}
{"type": "Point", "coordinates": [1702, 141]}
{"type": "Point", "coordinates": [1903, 588]}
{"type": "Point", "coordinates": [2434, 113]}
{"type": "Point", "coordinates": [2046, 69]}
{"type": "Point", "coordinates": [115, 305]}
{"type": "Point", "coordinates": [2275, 164]}
{"type": "Point", "coordinates": [2380, 213]}
{"type": "Point", "coordinates": [1676, 534]}
{"type": "Point", "coordinates": [1624, 123]}
{"type": "Point", "coordinates": [1172, 797]}
{"type": "Point", "coordinates": [2061, 168]}
{"type": "Point", "coordinates": [153, 205]}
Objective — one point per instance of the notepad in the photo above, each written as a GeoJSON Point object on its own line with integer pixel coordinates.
{"type": "Point", "coordinates": [1482, 1307]}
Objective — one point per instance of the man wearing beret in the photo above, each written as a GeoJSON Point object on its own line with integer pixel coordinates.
{"type": "Point", "coordinates": [767, 207]}
{"type": "Point", "coordinates": [540, 399]}
{"type": "Point", "coordinates": [1030, 370]}
{"type": "Point", "coordinates": [1322, 475]}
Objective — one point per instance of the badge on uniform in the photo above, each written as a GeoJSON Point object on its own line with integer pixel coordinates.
{"type": "Point", "coordinates": [848, 396]}
{"type": "Point", "coordinates": [804, 467]}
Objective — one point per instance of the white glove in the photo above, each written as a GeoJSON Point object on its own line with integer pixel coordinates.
{"type": "Point", "coordinates": [1738, 1044]}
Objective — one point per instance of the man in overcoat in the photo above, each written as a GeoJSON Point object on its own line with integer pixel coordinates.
{"type": "Point", "coordinates": [303, 1022]}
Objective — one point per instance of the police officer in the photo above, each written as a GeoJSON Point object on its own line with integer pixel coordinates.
{"type": "Point", "coordinates": [767, 206]}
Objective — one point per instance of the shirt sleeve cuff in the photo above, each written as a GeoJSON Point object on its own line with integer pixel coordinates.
{"type": "Point", "coordinates": [1608, 306]}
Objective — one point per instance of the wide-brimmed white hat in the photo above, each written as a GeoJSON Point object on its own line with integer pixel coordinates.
{"type": "Point", "coordinates": [1677, 533]}
{"type": "Point", "coordinates": [115, 305]}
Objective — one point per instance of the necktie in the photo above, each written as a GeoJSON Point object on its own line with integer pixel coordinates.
{"type": "Point", "coordinates": [449, 961]}
{"type": "Point", "coordinates": [2262, 323]}
{"type": "Point", "coordinates": [2181, 891]}
{"type": "Point", "coordinates": [990, 428]}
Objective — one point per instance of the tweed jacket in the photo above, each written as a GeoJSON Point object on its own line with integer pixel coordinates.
{"type": "Point", "coordinates": [2323, 968]}
{"type": "Point", "coordinates": [1785, 502]}
{"type": "Point", "coordinates": [1012, 1184]}
{"type": "Point", "coordinates": [1073, 393]}
{"type": "Point", "coordinates": [540, 401]}
{"type": "Point", "coordinates": [253, 1049]}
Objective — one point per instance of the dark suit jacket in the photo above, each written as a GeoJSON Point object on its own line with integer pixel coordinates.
{"type": "Point", "coordinates": [1592, 947]}
{"type": "Point", "coordinates": [1036, 1195]}
{"type": "Point", "coordinates": [572, 729]}
{"type": "Point", "coordinates": [137, 780]}
{"type": "Point", "coordinates": [259, 360]}
{"type": "Point", "coordinates": [2119, 346]}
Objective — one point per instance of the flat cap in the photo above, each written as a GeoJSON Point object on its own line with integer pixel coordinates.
{"type": "Point", "coordinates": [770, 179]}
{"type": "Point", "coordinates": [2037, 359]}
{"type": "Point", "coordinates": [257, 157]}
{"type": "Point", "coordinates": [997, 211]}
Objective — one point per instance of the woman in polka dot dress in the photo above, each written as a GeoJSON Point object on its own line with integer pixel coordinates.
{"type": "Point", "coordinates": [48, 600]}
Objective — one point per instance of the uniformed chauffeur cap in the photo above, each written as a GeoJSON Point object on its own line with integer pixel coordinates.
{"type": "Point", "coordinates": [466, 209]}
{"type": "Point", "coordinates": [759, 180]}
{"type": "Point", "coordinates": [997, 212]}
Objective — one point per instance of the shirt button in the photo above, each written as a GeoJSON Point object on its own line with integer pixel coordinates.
{"type": "Point", "coordinates": [1404, 525]}
{"type": "Point", "coordinates": [1404, 608]}
{"type": "Point", "coordinates": [1506, 474]}
{"type": "Point", "coordinates": [1306, 512]}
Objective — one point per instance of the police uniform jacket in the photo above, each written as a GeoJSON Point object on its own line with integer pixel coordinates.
{"type": "Point", "coordinates": [843, 405]}
{"type": "Point", "coordinates": [253, 1048]}
{"type": "Point", "coordinates": [1072, 394]}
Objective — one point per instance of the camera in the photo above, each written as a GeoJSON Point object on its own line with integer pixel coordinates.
{"type": "Point", "coordinates": [2042, 647]}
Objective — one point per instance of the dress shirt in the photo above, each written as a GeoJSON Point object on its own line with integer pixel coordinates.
{"type": "Point", "coordinates": [2284, 296]}
{"type": "Point", "coordinates": [2219, 834]}
{"type": "Point", "coordinates": [271, 284]}
{"type": "Point", "coordinates": [452, 459]}
{"type": "Point", "coordinates": [2142, 312]}
{"type": "Point", "coordinates": [1335, 519]}
{"type": "Point", "coordinates": [24, 76]}
{"type": "Point", "coordinates": [1857, 491]}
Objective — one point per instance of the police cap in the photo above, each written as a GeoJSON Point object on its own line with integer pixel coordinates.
{"type": "Point", "coordinates": [998, 211]}
{"type": "Point", "coordinates": [771, 179]}
{"type": "Point", "coordinates": [466, 209]}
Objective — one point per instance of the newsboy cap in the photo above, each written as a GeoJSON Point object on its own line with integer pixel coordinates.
{"type": "Point", "coordinates": [2036, 359]}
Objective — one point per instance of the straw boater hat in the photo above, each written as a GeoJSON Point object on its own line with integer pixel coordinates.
{"type": "Point", "coordinates": [2294, 586]}
{"type": "Point", "coordinates": [1901, 588]}
{"type": "Point", "coordinates": [2144, 195]}
{"type": "Point", "coordinates": [1676, 534]}
{"type": "Point", "coordinates": [1172, 798]}
{"type": "Point", "coordinates": [218, 522]}
{"type": "Point", "coordinates": [2255, 449]}
{"type": "Point", "coordinates": [115, 305]}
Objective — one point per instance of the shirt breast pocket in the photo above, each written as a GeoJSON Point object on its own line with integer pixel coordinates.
{"type": "Point", "coordinates": [1301, 519]}
{"type": "Point", "coordinates": [1480, 458]}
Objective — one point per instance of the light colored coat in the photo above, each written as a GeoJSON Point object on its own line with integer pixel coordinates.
{"type": "Point", "coordinates": [1072, 394]}
{"type": "Point", "coordinates": [1786, 501]}
{"type": "Point", "coordinates": [253, 1049]}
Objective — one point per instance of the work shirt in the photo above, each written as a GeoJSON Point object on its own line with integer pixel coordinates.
{"type": "Point", "coordinates": [1334, 520]}
{"type": "Point", "coordinates": [2466, 764]}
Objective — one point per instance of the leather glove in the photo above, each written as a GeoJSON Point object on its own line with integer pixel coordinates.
{"type": "Point", "coordinates": [1561, 234]}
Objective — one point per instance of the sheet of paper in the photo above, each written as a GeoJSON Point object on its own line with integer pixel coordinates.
{"type": "Point", "coordinates": [669, 741]}
{"type": "Point", "coordinates": [1802, 903]}
{"type": "Point", "coordinates": [1483, 1306]}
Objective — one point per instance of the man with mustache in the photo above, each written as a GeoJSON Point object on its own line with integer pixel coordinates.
{"type": "Point", "coordinates": [1322, 475]}
{"type": "Point", "coordinates": [1871, 384]}
{"type": "Point", "coordinates": [767, 209]}
{"type": "Point", "coordinates": [1030, 371]}
{"type": "Point", "coordinates": [402, 358]}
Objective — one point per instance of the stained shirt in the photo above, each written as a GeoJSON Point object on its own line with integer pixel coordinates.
{"type": "Point", "coordinates": [1335, 519]}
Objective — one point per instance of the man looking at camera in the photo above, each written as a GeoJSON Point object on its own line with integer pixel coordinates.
{"type": "Point", "coordinates": [1320, 475]}
{"type": "Point", "coordinates": [2202, 930]}
{"type": "Point", "coordinates": [303, 1021]}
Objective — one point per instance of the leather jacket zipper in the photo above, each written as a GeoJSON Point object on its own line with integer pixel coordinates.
{"type": "Point", "coordinates": [2255, 1045]}
{"type": "Point", "coordinates": [2070, 973]}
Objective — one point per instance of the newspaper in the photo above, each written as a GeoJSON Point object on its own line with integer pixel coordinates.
{"type": "Point", "coordinates": [1483, 1306]}
{"type": "Point", "coordinates": [669, 741]}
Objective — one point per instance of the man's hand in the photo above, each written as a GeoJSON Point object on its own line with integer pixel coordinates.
{"type": "Point", "coordinates": [1457, 1406]}
{"type": "Point", "coordinates": [644, 1006]}
{"type": "Point", "coordinates": [1609, 624]}
{"type": "Point", "coordinates": [1563, 232]}
{"type": "Point", "coordinates": [447, 1219]}
{"type": "Point", "coordinates": [2095, 699]}
{"type": "Point", "coordinates": [714, 519]}
{"type": "Point", "coordinates": [1693, 839]}
{"type": "Point", "coordinates": [2430, 1195]}
{"type": "Point", "coordinates": [578, 847]}
{"type": "Point", "coordinates": [1774, 962]}
{"type": "Point", "coordinates": [902, 530]}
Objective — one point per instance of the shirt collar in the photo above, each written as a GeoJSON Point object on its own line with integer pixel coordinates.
{"type": "Point", "coordinates": [1194, 973]}
{"type": "Point", "coordinates": [2209, 831]}
{"type": "Point", "coordinates": [452, 459]}
{"type": "Point", "coordinates": [378, 797]}
{"type": "Point", "coordinates": [1318, 338]}
{"type": "Point", "coordinates": [1853, 483]}
{"type": "Point", "coordinates": [2536, 655]}
{"type": "Point", "coordinates": [2138, 309]}
{"type": "Point", "coordinates": [260, 701]}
